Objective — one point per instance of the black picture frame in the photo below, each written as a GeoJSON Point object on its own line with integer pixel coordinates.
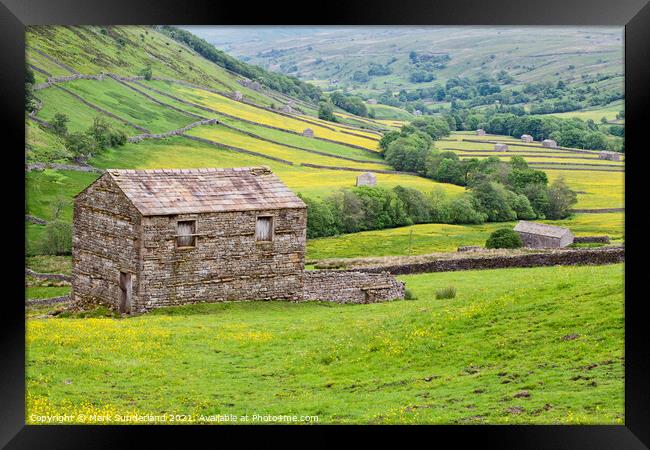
{"type": "Point", "coordinates": [633, 14]}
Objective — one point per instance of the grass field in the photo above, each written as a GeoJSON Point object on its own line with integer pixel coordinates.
{"type": "Point", "coordinates": [227, 136]}
{"type": "Point", "coordinates": [596, 189]}
{"type": "Point", "coordinates": [130, 105]}
{"type": "Point", "coordinates": [304, 142]}
{"type": "Point", "coordinates": [125, 50]}
{"type": "Point", "coordinates": [608, 111]}
{"type": "Point", "coordinates": [487, 356]}
{"type": "Point", "coordinates": [248, 112]}
{"type": "Point", "coordinates": [435, 237]}
{"type": "Point", "coordinates": [81, 116]}
{"type": "Point", "coordinates": [44, 146]}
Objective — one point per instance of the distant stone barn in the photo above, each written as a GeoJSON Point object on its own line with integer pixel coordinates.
{"type": "Point", "coordinates": [611, 156]}
{"type": "Point", "coordinates": [480, 132]}
{"type": "Point", "coordinates": [526, 138]}
{"type": "Point", "coordinates": [538, 235]}
{"type": "Point", "coordinates": [150, 238]}
{"type": "Point", "coordinates": [308, 132]}
{"type": "Point", "coordinates": [549, 143]}
{"type": "Point", "coordinates": [501, 147]}
{"type": "Point", "coordinates": [367, 179]}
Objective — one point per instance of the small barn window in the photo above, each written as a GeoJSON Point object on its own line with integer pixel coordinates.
{"type": "Point", "coordinates": [264, 228]}
{"type": "Point", "coordinates": [186, 233]}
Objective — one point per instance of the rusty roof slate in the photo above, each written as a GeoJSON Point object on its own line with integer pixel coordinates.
{"type": "Point", "coordinates": [541, 229]}
{"type": "Point", "coordinates": [185, 191]}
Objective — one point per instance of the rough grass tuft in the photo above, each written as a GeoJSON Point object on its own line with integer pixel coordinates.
{"type": "Point", "coordinates": [448, 292]}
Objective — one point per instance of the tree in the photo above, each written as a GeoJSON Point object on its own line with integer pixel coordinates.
{"type": "Point", "coordinates": [326, 111]}
{"type": "Point", "coordinates": [320, 218]}
{"type": "Point", "coordinates": [492, 199]}
{"type": "Point", "coordinates": [360, 77]}
{"type": "Point", "coordinates": [415, 204]}
{"type": "Point", "coordinates": [57, 239]}
{"type": "Point", "coordinates": [387, 138]}
{"type": "Point", "coordinates": [537, 195]}
{"type": "Point", "coordinates": [449, 171]}
{"type": "Point", "coordinates": [421, 76]}
{"type": "Point", "coordinates": [146, 72]}
{"type": "Point", "coordinates": [518, 179]}
{"type": "Point", "coordinates": [60, 124]}
{"type": "Point", "coordinates": [518, 163]}
{"type": "Point", "coordinates": [100, 131]}
{"type": "Point", "coordinates": [80, 144]}
{"type": "Point", "coordinates": [462, 210]}
{"type": "Point", "coordinates": [560, 200]}
{"type": "Point", "coordinates": [408, 154]}
{"type": "Point", "coordinates": [521, 206]}
{"type": "Point", "coordinates": [504, 238]}
{"type": "Point", "coordinates": [29, 92]}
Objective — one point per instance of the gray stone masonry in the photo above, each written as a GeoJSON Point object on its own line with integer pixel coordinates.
{"type": "Point", "coordinates": [343, 286]}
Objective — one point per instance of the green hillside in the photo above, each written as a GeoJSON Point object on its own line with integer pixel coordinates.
{"type": "Point", "coordinates": [407, 66]}
{"type": "Point", "coordinates": [185, 88]}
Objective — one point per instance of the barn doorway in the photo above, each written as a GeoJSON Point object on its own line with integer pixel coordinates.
{"type": "Point", "coordinates": [125, 292]}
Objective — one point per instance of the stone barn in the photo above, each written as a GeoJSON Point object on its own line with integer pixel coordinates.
{"type": "Point", "coordinates": [372, 101]}
{"type": "Point", "coordinates": [526, 138]}
{"type": "Point", "coordinates": [480, 132]}
{"type": "Point", "coordinates": [538, 235]}
{"type": "Point", "coordinates": [367, 179]}
{"type": "Point", "coordinates": [150, 238]}
{"type": "Point", "coordinates": [501, 147]}
{"type": "Point", "coordinates": [611, 156]}
{"type": "Point", "coordinates": [238, 96]}
{"type": "Point", "coordinates": [143, 239]}
{"type": "Point", "coordinates": [549, 143]}
{"type": "Point", "coordinates": [308, 132]}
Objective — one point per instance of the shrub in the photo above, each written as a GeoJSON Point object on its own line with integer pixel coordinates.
{"type": "Point", "coordinates": [504, 238]}
{"type": "Point", "coordinates": [60, 124]}
{"type": "Point", "coordinates": [408, 295]}
{"type": "Point", "coordinates": [147, 72]}
{"type": "Point", "coordinates": [57, 239]}
{"type": "Point", "coordinates": [448, 292]}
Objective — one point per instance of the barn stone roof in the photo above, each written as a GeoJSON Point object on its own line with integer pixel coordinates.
{"type": "Point", "coordinates": [182, 191]}
{"type": "Point", "coordinates": [541, 229]}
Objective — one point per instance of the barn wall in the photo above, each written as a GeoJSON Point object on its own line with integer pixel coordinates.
{"type": "Point", "coordinates": [227, 262]}
{"type": "Point", "coordinates": [566, 239]}
{"type": "Point", "coordinates": [105, 242]}
{"type": "Point", "coordinates": [537, 241]}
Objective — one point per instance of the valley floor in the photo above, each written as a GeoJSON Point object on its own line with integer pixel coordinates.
{"type": "Point", "coordinates": [537, 345]}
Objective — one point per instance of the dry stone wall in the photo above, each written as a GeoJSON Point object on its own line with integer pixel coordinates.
{"type": "Point", "coordinates": [343, 286]}
{"type": "Point", "coordinates": [591, 239]}
{"type": "Point", "coordinates": [566, 257]}
{"type": "Point", "coordinates": [177, 132]}
{"type": "Point", "coordinates": [352, 169]}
